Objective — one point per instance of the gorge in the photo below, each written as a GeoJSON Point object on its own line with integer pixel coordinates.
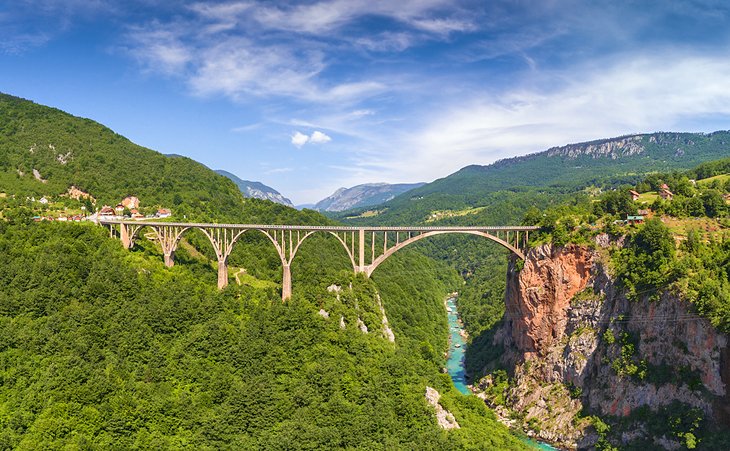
{"type": "Point", "coordinates": [576, 346]}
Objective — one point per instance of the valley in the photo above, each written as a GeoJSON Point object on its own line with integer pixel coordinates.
{"type": "Point", "coordinates": [591, 319]}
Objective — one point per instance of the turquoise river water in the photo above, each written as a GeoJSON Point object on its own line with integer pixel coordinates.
{"type": "Point", "coordinates": [455, 361]}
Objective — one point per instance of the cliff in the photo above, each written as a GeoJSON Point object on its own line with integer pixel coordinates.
{"type": "Point", "coordinates": [654, 372]}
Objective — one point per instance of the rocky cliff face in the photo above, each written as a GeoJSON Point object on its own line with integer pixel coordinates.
{"type": "Point", "coordinates": [577, 345]}
{"type": "Point", "coordinates": [613, 149]}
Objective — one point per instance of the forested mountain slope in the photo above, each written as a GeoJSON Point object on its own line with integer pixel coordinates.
{"type": "Point", "coordinates": [256, 190]}
{"type": "Point", "coordinates": [105, 348]}
{"type": "Point", "coordinates": [363, 196]}
{"type": "Point", "coordinates": [45, 151]}
{"type": "Point", "coordinates": [557, 170]}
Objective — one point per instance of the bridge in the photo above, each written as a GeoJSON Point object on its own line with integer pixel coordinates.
{"type": "Point", "coordinates": [367, 247]}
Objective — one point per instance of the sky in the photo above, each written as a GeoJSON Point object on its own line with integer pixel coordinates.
{"type": "Point", "coordinates": [310, 96]}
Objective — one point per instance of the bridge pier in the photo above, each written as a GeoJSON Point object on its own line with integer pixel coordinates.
{"type": "Point", "coordinates": [222, 274]}
{"type": "Point", "coordinates": [286, 283]}
{"type": "Point", "coordinates": [124, 236]}
{"type": "Point", "coordinates": [169, 259]}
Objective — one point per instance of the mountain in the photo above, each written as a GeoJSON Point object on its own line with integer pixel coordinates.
{"type": "Point", "coordinates": [363, 196]}
{"type": "Point", "coordinates": [558, 170]}
{"type": "Point", "coordinates": [47, 152]}
{"type": "Point", "coordinates": [256, 190]}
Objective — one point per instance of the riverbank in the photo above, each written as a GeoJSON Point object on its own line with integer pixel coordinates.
{"type": "Point", "coordinates": [455, 364]}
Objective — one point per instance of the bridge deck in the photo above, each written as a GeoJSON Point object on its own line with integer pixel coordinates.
{"type": "Point", "coordinates": [326, 228]}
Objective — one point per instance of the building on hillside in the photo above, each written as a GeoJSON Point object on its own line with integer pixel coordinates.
{"type": "Point", "coordinates": [634, 219]}
{"type": "Point", "coordinates": [43, 200]}
{"type": "Point", "coordinates": [163, 213]}
{"type": "Point", "coordinates": [136, 214]}
{"type": "Point", "coordinates": [645, 212]}
{"type": "Point", "coordinates": [665, 194]}
{"type": "Point", "coordinates": [119, 209]}
{"type": "Point", "coordinates": [106, 210]}
{"type": "Point", "coordinates": [664, 186]}
{"type": "Point", "coordinates": [130, 202]}
{"type": "Point", "coordinates": [634, 195]}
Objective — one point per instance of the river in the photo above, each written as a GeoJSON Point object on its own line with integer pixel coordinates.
{"type": "Point", "coordinates": [455, 361]}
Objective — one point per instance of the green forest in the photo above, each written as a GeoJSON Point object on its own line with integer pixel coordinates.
{"type": "Point", "coordinates": [106, 349]}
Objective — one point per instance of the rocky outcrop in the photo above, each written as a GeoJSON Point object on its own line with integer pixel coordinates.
{"type": "Point", "coordinates": [365, 310]}
{"type": "Point", "coordinates": [537, 298]}
{"type": "Point", "coordinates": [387, 331]}
{"type": "Point", "coordinates": [611, 148]}
{"type": "Point", "coordinates": [444, 418]}
{"type": "Point", "coordinates": [576, 344]}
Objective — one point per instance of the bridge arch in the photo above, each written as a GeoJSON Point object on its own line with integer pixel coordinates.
{"type": "Point", "coordinates": [287, 240]}
{"type": "Point", "coordinates": [380, 259]}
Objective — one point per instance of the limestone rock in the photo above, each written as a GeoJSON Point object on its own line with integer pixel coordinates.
{"type": "Point", "coordinates": [563, 363]}
{"type": "Point", "coordinates": [387, 331]}
{"type": "Point", "coordinates": [445, 418]}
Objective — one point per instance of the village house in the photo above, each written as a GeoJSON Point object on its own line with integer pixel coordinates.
{"type": "Point", "coordinates": [665, 194]}
{"type": "Point", "coordinates": [106, 210]}
{"type": "Point", "coordinates": [163, 213]}
{"type": "Point", "coordinates": [634, 195]}
{"type": "Point", "coordinates": [119, 209]}
{"type": "Point", "coordinates": [136, 214]}
{"type": "Point", "coordinates": [43, 200]}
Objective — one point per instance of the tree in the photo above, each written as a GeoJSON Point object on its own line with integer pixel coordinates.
{"type": "Point", "coordinates": [655, 239]}
{"type": "Point", "coordinates": [713, 203]}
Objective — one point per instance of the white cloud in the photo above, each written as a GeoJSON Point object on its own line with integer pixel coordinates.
{"type": "Point", "coordinates": [632, 93]}
{"type": "Point", "coordinates": [246, 128]}
{"type": "Point", "coordinates": [299, 139]}
{"type": "Point", "coordinates": [325, 16]}
{"type": "Point", "coordinates": [278, 170]}
{"type": "Point", "coordinates": [319, 138]}
{"type": "Point", "coordinates": [244, 49]}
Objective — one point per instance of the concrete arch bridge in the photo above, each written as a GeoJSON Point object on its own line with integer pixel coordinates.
{"type": "Point", "coordinates": [367, 247]}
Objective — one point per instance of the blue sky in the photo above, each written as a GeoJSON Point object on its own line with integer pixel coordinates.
{"type": "Point", "coordinates": [313, 95]}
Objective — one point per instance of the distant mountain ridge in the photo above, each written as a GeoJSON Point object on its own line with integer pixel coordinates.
{"type": "Point", "coordinates": [557, 169]}
{"type": "Point", "coordinates": [363, 196]}
{"type": "Point", "coordinates": [256, 190]}
{"type": "Point", "coordinates": [580, 163]}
